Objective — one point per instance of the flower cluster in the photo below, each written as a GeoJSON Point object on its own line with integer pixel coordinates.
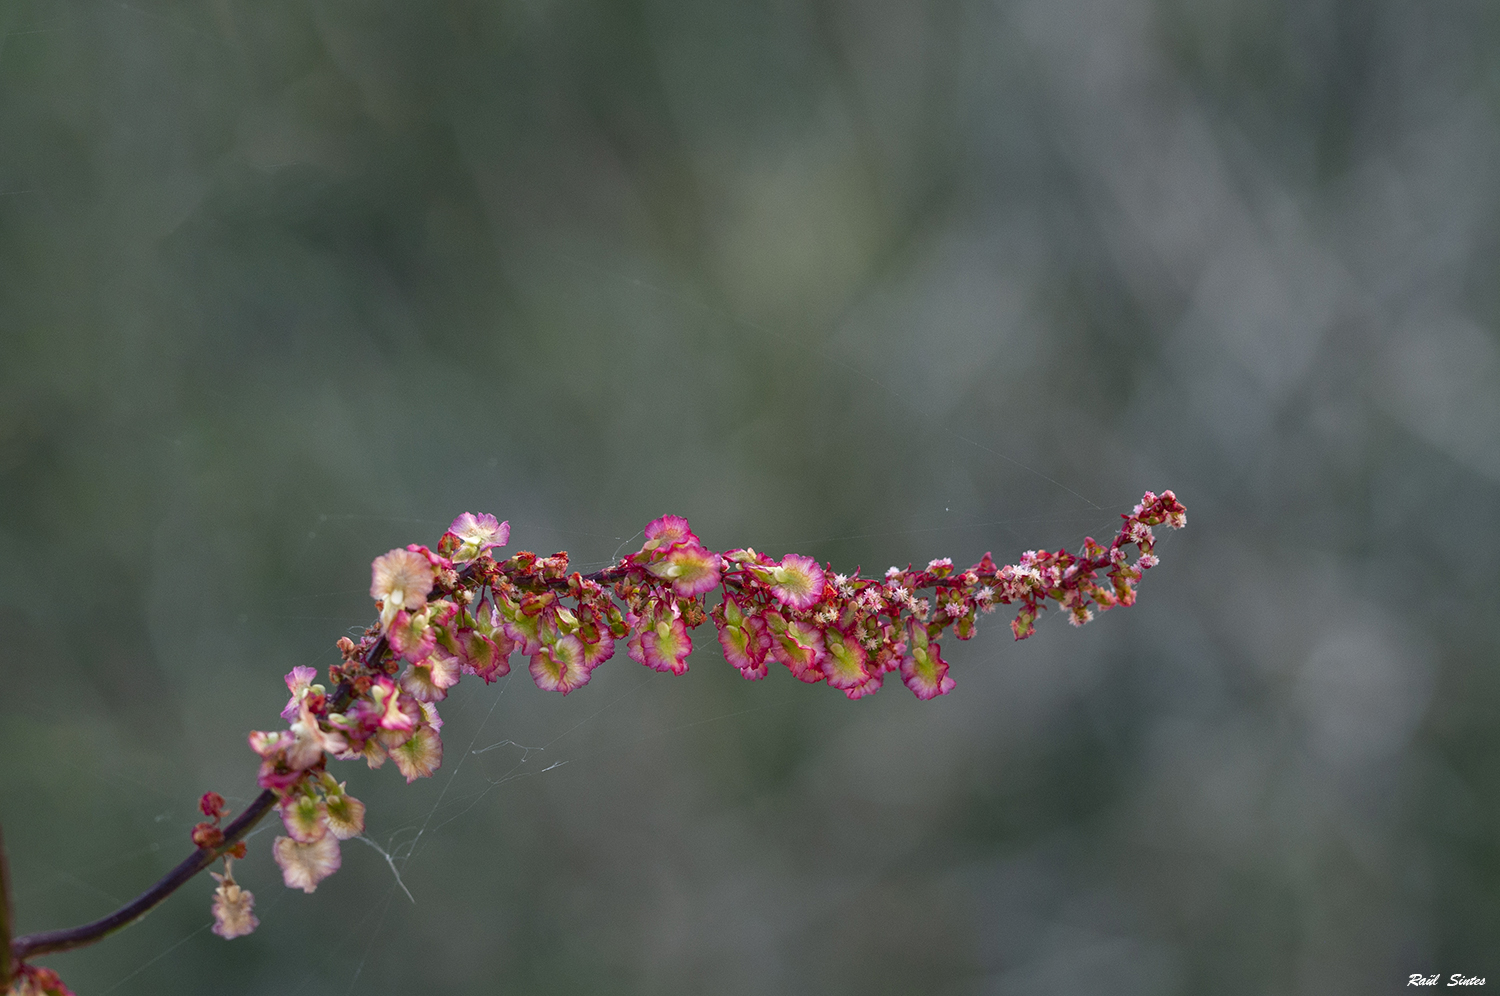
{"type": "Point", "coordinates": [456, 610]}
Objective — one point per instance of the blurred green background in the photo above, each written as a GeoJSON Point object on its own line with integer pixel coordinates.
{"type": "Point", "coordinates": [285, 284]}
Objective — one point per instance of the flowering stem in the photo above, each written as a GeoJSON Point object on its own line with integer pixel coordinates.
{"type": "Point", "coordinates": [76, 937]}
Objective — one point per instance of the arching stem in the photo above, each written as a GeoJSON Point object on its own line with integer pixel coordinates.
{"type": "Point", "coordinates": [76, 937]}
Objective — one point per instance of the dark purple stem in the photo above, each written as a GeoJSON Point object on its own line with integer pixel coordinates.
{"type": "Point", "coordinates": [76, 937]}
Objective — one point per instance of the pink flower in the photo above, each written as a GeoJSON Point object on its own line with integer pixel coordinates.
{"type": "Point", "coordinates": [801, 648]}
{"type": "Point", "coordinates": [745, 647]}
{"type": "Point", "coordinates": [303, 866]}
{"type": "Point", "coordinates": [525, 632]}
{"type": "Point", "coordinates": [844, 665]}
{"type": "Point", "coordinates": [304, 817]}
{"type": "Point", "coordinates": [287, 753]}
{"type": "Point", "coordinates": [599, 651]}
{"type": "Point", "coordinates": [486, 656]}
{"type": "Point", "coordinates": [429, 679]}
{"type": "Point", "coordinates": [312, 740]}
{"type": "Point", "coordinates": [923, 668]}
{"type": "Point", "coordinates": [477, 534]}
{"type": "Point", "coordinates": [666, 532]}
{"type": "Point", "coordinates": [346, 815]}
{"type": "Point", "coordinates": [411, 636]}
{"type": "Point", "coordinates": [269, 745]}
{"type": "Point", "coordinates": [420, 755]}
{"type": "Point", "coordinates": [745, 640]}
{"type": "Point", "coordinates": [400, 580]}
{"type": "Point", "coordinates": [691, 569]}
{"type": "Point", "coordinates": [797, 582]}
{"type": "Point", "coordinates": [388, 700]}
{"type": "Point", "coordinates": [1176, 515]}
{"type": "Point", "coordinates": [663, 647]}
{"type": "Point", "coordinates": [276, 776]}
{"type": "Point", "coordinates": [561, 667]}
{"type": "Point", "coordinates": [749, 557]}
{"type": "Point", "coordinates": [233, 906]}
{"type": "Point", "coordinates": [298, 681]}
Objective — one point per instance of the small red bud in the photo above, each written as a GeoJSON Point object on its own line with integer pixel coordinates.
{"type": "Point", "coordinates": [207, 836]}
{"type": "Point", "coordinates": [237, 852]}
{"type": "Point", "coordinates": [212, 804]}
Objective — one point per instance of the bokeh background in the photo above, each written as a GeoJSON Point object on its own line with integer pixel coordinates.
{"type": "Point", "coordinates": [286, 283]}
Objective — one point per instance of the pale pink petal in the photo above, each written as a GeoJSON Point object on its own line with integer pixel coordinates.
{"type": "Point", "coordinates": [389, 700]}
{"type": "Point", "coordinates": [561, 667]}
{"type": "Point", "coordinates": [276, 776]}
{"type": "Point", "coordinates": [401, 580]}
{"type": "Point", "coordinates": [524, 632]}
{"type": "Point", "coordinates": [267, 744]}
{"type": "Point", "coordinates": [311, 740]}
{"type": "Point", "coordinates": [477, 534]}
{"type": "Point", "coordinates": [303, 866]}
{"type": "Point", "coordinates": [346, 816]}
{"type": "Point", "coordinates": [923, 668]}
{"type": "Point", "coordinates": [598, 652]}
{"type": "Point", "coordinates": [420, 755]}
{"type": "Point", "coordinates": [802, 649]}
{"type": "Point", "coordinates": [411, 636]}
{"type": "Point", "coordinates": [298, 680]}
{"type": "Point", "coordinates": [745, 645]}
{"type": "Point", "coordinates": [429, 679]}
{"type": "Point", "coordinates": [797, 582]}
{"type": "Point", "coordinates": [485, 656]}
{"type": "Point", "coordinates": [668, 531]}
{"type": "Point", "coordinates": [666, 646]}
{"type": "Point", "coordinates": [374, 753]}
{"type": "Point", "coordinates": [844, 667]}
{"type": "Point", "coordinates": [691, 569]}
{"type": "Point", "coordinates": [304, 818]}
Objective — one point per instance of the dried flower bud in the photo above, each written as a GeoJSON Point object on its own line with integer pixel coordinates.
{"type": "Point", "coordinates": [233, 906]}
{"type": "Point", "coordinates": [207, 836]}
